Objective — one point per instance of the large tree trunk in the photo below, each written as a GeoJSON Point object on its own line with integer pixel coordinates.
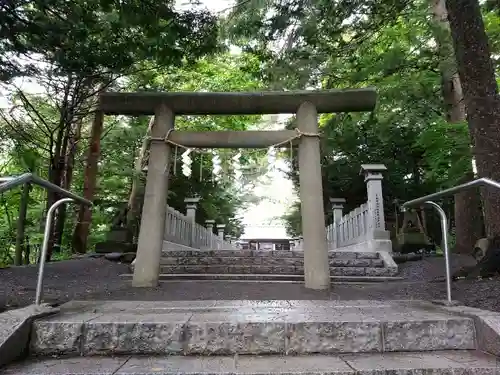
{"type": "Point", "coordinates": [467, 205]}
{"type": "Point", "coordinates": [55, 237]}
{"type": "Point", "coordinates": [56, 169]}
{"type": "Point", "coordinates": [21, 225]}
{"type": "Point", "coordinates": [67, 178]}
{"type": "Point", "coordinates": [82, 227]}
{"type": "Point", "coordinates": [137, 191]}
{"type": "Point", "coordinates": [57, 162]}
{"type": "Point", "coordinates": [481, 98]}
{"type": "Point", "coordinates": [469, 223]}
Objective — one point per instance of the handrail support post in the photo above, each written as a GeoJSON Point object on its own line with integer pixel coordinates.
{"type": "Point", "coordinates": [43, 254]}
{"type": "Point", "coordinates": [428, 200]}
{"type": "Point", "coordinates": [444, 232]}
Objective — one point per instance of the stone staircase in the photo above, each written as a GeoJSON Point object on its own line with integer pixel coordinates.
{"type": "Point", "coordinates": [262, 337]}
{"type": "Point", "coordinates": [271, 265]}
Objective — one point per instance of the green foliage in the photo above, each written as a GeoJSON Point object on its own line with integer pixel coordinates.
{"type": "Point", "coordinates": [294, 39]}
{"type": "Point", "coordinates": [86, 38]}
{"type": "Point", "coordinates": [492, 23]}
{"type": "Point", "coordinates": [222, 73]}
{"type": "Point", "coordinates": [74, 49]}
{"type": "Point", "coordinates": [122, 138]}
{"type": "Point", "coordinates": [398, 55]}
{"type": "Point", "coordinates": [447, 152]}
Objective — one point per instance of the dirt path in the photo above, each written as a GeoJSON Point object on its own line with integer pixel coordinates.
{"type": "Point", "coordinates": [99, 279]}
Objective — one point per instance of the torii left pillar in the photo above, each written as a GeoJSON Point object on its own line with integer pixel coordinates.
{"type": "Point", "coordinates": [147, 263]}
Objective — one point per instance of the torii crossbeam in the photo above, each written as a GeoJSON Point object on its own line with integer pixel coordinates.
{"type": "Point", "coordinates": [165, 106]}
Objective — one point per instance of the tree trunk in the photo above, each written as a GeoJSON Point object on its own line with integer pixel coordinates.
{"type": "Point", "coordinates": [424, 221]}
{"type": "Point", "coordinates": [480, 90]}
{"type": "Point", "coordinates": [468, 210]}
{"type": "Point", "coordinates": [55, 240]}
{"type": "Point", "coordinates": [82, 227]}
{"type": "Point", "coordinates": [57, 162]}
{"type": "Point", "coordinates": [450, 80]}
{"type": "Point", "coordinates": [21, 225]}
{"type": "Point", "coordinates": [67, 178]}
{"type": "Point", "coordinates": [55, 175]}
{"type": "Point", "coordinates": [137, 191]}
{"type": "Point", "coordinates": [467, 205]}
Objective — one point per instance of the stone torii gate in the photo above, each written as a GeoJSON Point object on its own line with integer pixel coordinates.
{"type": "Point", "coordinates": [165, 106]}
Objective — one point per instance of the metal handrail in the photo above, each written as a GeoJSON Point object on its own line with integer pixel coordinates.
{"type": "Point", "coordinates": [428, 200]}
{"type": "Point", "coordinates": [45, 247]}
{"type": "Point", "coordinates": [7, 183]}
{"type": "Point", "coordinates": [452, 190]}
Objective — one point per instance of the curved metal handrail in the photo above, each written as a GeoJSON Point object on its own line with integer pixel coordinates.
{"type": "Point", "coordinates": [428, 200]}
{"type": "Point", "coordinates": [8, 183]}
{"type": "Point", "coordinates": [451, 191]}
{"type": "Point", "coordinates": [45, 247]}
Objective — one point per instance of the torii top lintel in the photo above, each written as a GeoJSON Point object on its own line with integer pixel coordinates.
{"type": "Point", "coordinates": [236, 103]}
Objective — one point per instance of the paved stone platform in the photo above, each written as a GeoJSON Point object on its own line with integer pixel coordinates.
{"type": "Point", "coordinates": [289, 327]}
{"type": "Point", "coordinates": [266, 277]}
{"type": "Point", "coordinates": [435, 363]}
{"type": "Point", "coordinates": [277, 262]}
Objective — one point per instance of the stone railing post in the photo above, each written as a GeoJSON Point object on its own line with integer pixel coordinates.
{"type": "Point", "coordinates": [337, 212]}
{"type": "Point", "coordinates": [373, 179]}
{"type": "Point", "coordinates": [232, 241]}
{"type": "Point", "coordinates": [220, 234]}
{"type": "Point", "coordinates": [210, 228]}
{"type": "Point", "coordinates": [210, 225]}
{"type": "Point", "coordinates": [229, 241]}
{"type": "Point", "coordinates": [220, 230]}
{"type": "Point", "coordinates": [191, 206]}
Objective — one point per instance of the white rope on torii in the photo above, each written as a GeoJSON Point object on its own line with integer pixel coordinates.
{"type": "Point", "coordinates": [216, 160]}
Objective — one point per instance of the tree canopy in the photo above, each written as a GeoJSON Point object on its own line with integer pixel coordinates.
{"type": "Point", "coordinates": [86, 38]}
{"type": "Point", "coordinates": [71, 51]}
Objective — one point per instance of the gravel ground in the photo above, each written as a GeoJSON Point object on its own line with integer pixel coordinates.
{"type": "Point", "coordinates": [99, 279]}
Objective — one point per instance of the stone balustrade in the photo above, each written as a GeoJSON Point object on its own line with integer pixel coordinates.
{"type": "Point", "coordinates": [183, 233]}
{"type": "Point", "coordinates": [352, 228]}
{"type": "Point", "coordinates": [362, 229]}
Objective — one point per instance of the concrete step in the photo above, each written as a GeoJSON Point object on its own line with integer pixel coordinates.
{"type": "Point", "coordinates": [264, 269]}
{"type": "Point", "coordinates": [436, 363]}
{"type": "Point", "coordinates": [266, 254]}
{"type": "Point", "coordinates": [249, 327]}
{"type": "Point", "coordinates": [266, 261]}
{"type": "Point", "coordinates": [280, 262]}
{"type": "Point", "coordinates": [267, 277]}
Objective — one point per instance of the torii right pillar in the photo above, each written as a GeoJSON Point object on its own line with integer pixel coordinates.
{"type": "Point", "coordinates": [316, 267]}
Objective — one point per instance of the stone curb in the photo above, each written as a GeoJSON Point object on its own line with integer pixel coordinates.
{"type": "Point", "coordinates": [486, 323]}
{"type": "Point", "coordinates": [15, 327]}
{"type": "Point", "coordinates": [269, 330]}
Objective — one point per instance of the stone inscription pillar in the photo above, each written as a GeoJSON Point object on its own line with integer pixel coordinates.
{"type": "Point", "coordinates": [316, 269]}
{"type": "Point", "coordinates": [147, 263]}
{"type": "Point", "coordinates": [373, 179]}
